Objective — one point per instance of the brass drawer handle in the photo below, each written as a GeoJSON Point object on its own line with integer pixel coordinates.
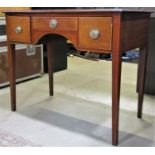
{"type": "Point", "coordinates": [94, 34]}
{"type": "Point", "coordinates": [18, 29]}
{"type": "Point", "coordinates": [53, 23]}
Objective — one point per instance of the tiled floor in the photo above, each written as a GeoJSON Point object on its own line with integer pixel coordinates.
{"type": "Point", "coordinates": [79, 113]}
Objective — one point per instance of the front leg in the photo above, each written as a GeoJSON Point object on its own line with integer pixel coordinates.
{"type": "Point", "coordinates": [12, 74]}
{"type": "Point", "coordinates": [116, 76]}
{"type": "Point", "coordinates": [116, 81]}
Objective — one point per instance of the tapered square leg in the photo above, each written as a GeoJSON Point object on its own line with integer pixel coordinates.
{"type": "Point", "coordinates": [116, 76]}
{"type": "Point", "coordinates": [141, 80]}
{"type": "Point", "coordinates": [116, 80]}
{"type": "Point", "coordinates": [50, 67]}
{"type": "Point", "coordinates": [12, 74]}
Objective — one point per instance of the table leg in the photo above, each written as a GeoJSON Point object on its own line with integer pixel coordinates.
{"type": "Point", "coordinates": [138, 73]}
{"type": "Point", "coordinates": [12, 74]}
{"type": "Point", "coordinates": [141, 80]}
{"type": "Point", "coordinates": [50, 67]}
{"type": "Point", "coordinates": [116, 81]}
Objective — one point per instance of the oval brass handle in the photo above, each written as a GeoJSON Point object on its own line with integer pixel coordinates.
{"type": "Point", "coordinates": [53, 23]}
{"type": "Point", "coordinates": [18, 29]}
{"type": "Point", "coordinates": [94, 34]}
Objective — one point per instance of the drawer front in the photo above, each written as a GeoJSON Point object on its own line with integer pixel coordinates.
{"type": "Point", "coordinates": [19, 28]}
{"type": "Point", "coordinates": [55, 23]}
{"type": "Point", "coordinates": [95, 32]}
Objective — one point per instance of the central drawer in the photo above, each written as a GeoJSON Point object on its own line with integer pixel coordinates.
{"type": "Point", "coordinates": [55, 23]}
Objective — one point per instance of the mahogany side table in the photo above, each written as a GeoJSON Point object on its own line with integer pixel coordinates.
{"type": "Point", "coordinates": [100, 30]}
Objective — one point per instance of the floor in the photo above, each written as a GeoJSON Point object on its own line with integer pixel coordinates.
{"type": "Point", "coordinates": [79, 113]}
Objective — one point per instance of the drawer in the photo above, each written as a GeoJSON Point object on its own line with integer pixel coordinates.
{"type": "Point", "coordinates": [55, 23]}
{"type": "Point", "coordinates": [95, 32]}
{"type": "Point", "coordinates": [19, 28]}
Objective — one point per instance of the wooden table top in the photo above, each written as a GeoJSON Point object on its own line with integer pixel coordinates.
{"type": "Point", "coordinates": [65, 11]}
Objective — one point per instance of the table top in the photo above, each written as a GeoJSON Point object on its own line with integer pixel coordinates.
{"type": "Point", "coordinates": [65, 11]}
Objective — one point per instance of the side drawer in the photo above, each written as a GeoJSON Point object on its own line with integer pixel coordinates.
{"type": "Point", "coordinates": [19, 29]}
{"type": "Point", "coordinates": [95, 32]}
